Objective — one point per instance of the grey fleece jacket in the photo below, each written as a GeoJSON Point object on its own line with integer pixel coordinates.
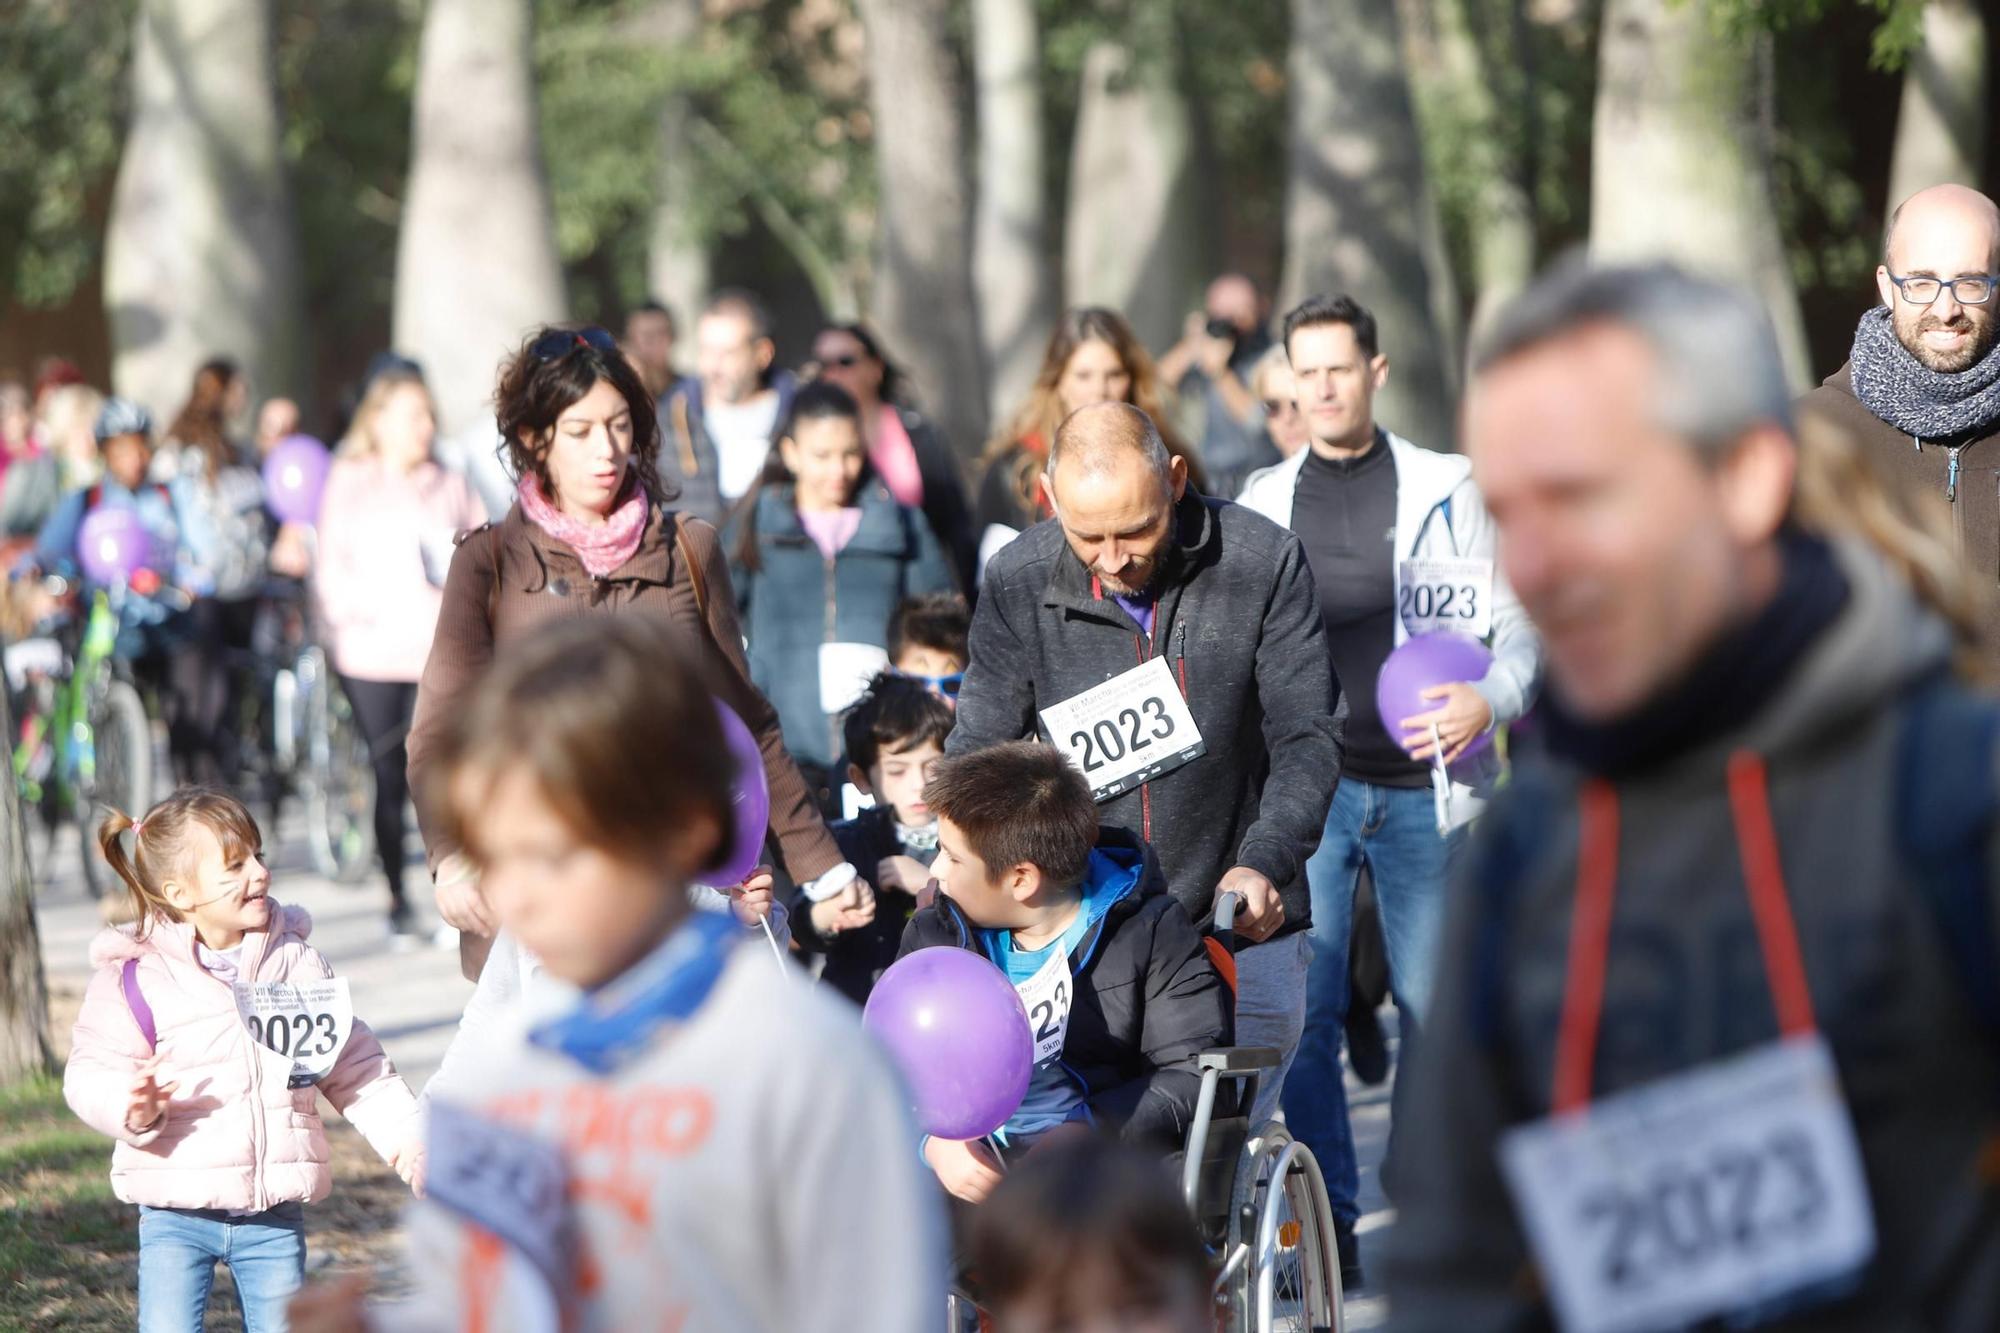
{"type": "Point", "coordinates": [1239, 622]}
{"type": "Point", "coordinates": [1686, 985]}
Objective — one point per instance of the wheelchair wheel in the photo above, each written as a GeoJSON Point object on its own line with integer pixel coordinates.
{"type": "Point", "coordinates": [1290, 1279]}
{"type": "Point", "coordinates": [340, 787]}
{"type": "Point", "coordinates": [116, 773]}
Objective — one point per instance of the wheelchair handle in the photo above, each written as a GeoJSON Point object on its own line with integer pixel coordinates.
{"type": "Point", "coordinates": [1226, 908]}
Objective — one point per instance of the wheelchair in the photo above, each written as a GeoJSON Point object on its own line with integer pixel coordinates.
{"type": "Point", "coordinates": [1256, 1195]}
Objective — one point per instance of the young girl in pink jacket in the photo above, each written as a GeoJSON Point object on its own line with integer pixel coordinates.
{"type": "Point", "coordinates": [207, 1033]}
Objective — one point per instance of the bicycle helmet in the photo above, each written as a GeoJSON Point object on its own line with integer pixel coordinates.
{"type": "Point", "coordinates": [122, 416]}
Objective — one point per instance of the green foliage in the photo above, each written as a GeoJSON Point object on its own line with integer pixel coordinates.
{"type": "Point", "coordinates": [1898, 34]}
{"type": "Point", "coordinates": [781, 117]}
{"type": "Point", "coordinates": [346, 72]}
{"type": "Point", "coordinates": [63, 94]}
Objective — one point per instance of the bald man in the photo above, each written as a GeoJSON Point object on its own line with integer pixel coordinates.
{"type": "Point", "coordinates": [1172, 646]}
{"type": "Point", "coordinates": [1922, 385]}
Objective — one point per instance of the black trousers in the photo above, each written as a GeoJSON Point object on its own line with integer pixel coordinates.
{"type": "Point", "coordinates": [382, 712]}
{"type": "Point", "coordinates": [204, 691]}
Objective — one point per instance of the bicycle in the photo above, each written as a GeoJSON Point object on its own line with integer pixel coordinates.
{"type": "Point", "coordinates": [86, 738]}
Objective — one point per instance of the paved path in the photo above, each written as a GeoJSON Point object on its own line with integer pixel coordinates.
{"type": "Point", "coordinates": [413, 999]}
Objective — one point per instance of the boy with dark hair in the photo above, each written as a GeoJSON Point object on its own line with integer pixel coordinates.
{"type": "Point", "coordinates": [895, 738]}
{"type": "Point", "coordinates": [927, 641]}
{"type": "Point", "coordinates": [1120, 993]}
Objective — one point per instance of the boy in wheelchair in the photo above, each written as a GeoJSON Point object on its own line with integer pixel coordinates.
{"type": "Point", "coordinates": [1121, 994]}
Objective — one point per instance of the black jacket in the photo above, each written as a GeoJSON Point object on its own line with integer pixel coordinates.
{"type": "Point", "coordinates": [1239, 621]}
{"type": "Point", "coordinates": [1147, 1002]}
{"type": "Point", "coordinates": [687, 452]}
{"type": "Point", "coordinates": [856, 959]}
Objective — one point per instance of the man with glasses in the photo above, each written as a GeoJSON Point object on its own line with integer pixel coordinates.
{"type": "Point", "coordinates": [1922, 385]}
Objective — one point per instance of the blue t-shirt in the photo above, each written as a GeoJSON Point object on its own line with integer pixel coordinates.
{"type": "Point", "coordinates": [1054, 1096]}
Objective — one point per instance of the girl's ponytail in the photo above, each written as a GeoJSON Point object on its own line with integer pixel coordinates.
{"type": "Point", "coordinates": [146, 904]}
{"type": "Point", "coordinates": [160, 840]}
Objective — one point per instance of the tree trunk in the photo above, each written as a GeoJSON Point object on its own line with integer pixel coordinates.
{"type": "Point", "coordinates": [1012, 272]}
{"type": "Point", "coordinates": [1681, 156]}
{"type": "Point", "coordinates": [677, 259]}
{"type": "Point", "coordinates": [924, 300]}
{"type": "Point", "coordinates": [476, 265]}
{"type": "Point", "coordinates": [1503, 215]}
{"type": "Point", "coordinates": [1134, 236]}
{"type": "Point", "coordinates": [201, 249]}
{"type": "Point", "coordinates": [1358, 214]}
{"type": "Point", "coordinates": [24, 990]}
{"type": "Point", "coordinates": [1941, 132]}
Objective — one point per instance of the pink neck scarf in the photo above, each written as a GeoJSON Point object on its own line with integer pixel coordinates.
{"type": "Point", "coordinates": [602, 547]}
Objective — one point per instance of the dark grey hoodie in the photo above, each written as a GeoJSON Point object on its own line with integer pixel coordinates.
{"type": "Point", "coordinates": [1686, 985]}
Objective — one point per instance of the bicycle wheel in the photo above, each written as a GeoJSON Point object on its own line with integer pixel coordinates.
{"type": "Point", "coordinates": [340, 787]}
{"type": "Point", "coordinates": [115, 772]}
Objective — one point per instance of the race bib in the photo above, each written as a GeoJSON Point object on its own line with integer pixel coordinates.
{"type": "Point", "coordinates": [1046, 997]}
{"type": "Point", "coordinates": [1127, 731]}
{"type": "Point", "coordinates": [306, 1020]}
{"type": "Point", "coordinates": [844, 672]}
{"type": "Point", "coordinates": [505, 1182]}
{"type": "Point", "coordinates": [1735, 1186]}
{"type": "Point", "coordinates": [1450, 593]}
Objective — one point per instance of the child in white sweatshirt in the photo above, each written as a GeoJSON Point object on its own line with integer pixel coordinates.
{"type": "Point", "coordinates": [684, 1135]}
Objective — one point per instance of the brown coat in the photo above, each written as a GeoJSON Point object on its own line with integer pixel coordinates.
{"type": "Point", "coordinates": [1924, 466]}
{"type": "Point", "coordinates": [539, 579]}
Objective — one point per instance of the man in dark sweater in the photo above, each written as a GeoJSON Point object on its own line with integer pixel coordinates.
{"type": "Point", "coordinates": [1171, 646]}
{"type": "Point", "coordinates": [1394, 534]}
{"type": "Point", "coordinates": [1922, 385]}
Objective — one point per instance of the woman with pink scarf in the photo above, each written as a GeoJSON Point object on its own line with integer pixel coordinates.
{"type": "Point", "coordinates": [593, 532]}
{"type": "Point", "coordinates": [386, 530]}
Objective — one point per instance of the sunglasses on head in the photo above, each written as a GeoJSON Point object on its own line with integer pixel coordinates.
{"type": "Point", "coordinates": [559, 343]}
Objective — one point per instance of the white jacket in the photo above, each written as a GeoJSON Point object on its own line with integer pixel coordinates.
{"type": "Point", "coordinates": [1438, 513]}
{"type": "Point", "coordinates": [751, 1170]}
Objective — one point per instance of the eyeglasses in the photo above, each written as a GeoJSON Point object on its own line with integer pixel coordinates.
{"type": "Point", "coordinates": [942, 685]}
{"type": "Point", "coordinates": [1278, 407]}
{"type": "Point", "coordinates": [1966, 291]}
{"type": "Point", "coordinates": [848, 362]}
{"type": "Point", "coordinates": [559, 343]}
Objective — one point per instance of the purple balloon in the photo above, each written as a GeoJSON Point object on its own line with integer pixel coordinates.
{"type": "Point", "coordinates": [750, 804]}
{"type": "Point", "coordinates": [295, 478]}
{"type": "Point", "coordinates": [956, 1029]}
{"type": "Point", "coordinates": [113, 545]}
{"type": "Point", "coordinates": [1424, 663]}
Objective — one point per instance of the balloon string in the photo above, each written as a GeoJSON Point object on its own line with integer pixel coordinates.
{"type": "Point", "coordinates": [993, 1141]}
{"type": "Point", "coordinates": [776, 952]}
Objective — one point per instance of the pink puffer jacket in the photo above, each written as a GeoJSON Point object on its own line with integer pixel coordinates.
{"type": "Point", "coordinates": [234, 1135]}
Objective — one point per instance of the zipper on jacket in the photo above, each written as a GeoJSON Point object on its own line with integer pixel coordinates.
{"type": "Point", "coordinates": [1180, 673]}
{"type": "Point", "coordinates": [1951, 475]}
{"type": "Point", "coordinates": [835, 743]}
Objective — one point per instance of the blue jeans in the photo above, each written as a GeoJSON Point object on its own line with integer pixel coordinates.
{"type": "Point", "coordinates": [1393, 831]}
{"type": "Point", "coordinates": [178, 1247]}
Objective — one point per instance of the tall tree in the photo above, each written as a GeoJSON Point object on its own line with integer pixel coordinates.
{"type": "Point", "coordinates": [1358, 214]}
{"type": "Point", "coordinates": [1016, 283]}
{"type": "Point", "coordinates": [677, 253]}
{"type": "Point", "coordinates": [476, 264]}
{"type": "Point", "coordinates": [24, 990]}
{"type": "Point", "coordinates": [201, 255]}
{"type": "Point", "coordinates": [1134, 239]}
{"type": "Point", "coordinates": [1681, 156]}
{"type": "Point", "coordinates": [924, 296]}
{"type": "Point", "coordinates": [1941, 132]}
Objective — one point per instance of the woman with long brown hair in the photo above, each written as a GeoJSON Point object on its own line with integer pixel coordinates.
{"type": "Point", "coordinates": [593, 531]}
{"type": "Point", "coordinates": [1093, 357]}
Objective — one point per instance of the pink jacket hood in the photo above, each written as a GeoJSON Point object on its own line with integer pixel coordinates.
{"type": "Point", "coordinates": [234, 1135]}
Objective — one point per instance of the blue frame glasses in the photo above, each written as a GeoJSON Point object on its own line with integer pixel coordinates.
{"type": "Point", "coordinates": [1976, 289]}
